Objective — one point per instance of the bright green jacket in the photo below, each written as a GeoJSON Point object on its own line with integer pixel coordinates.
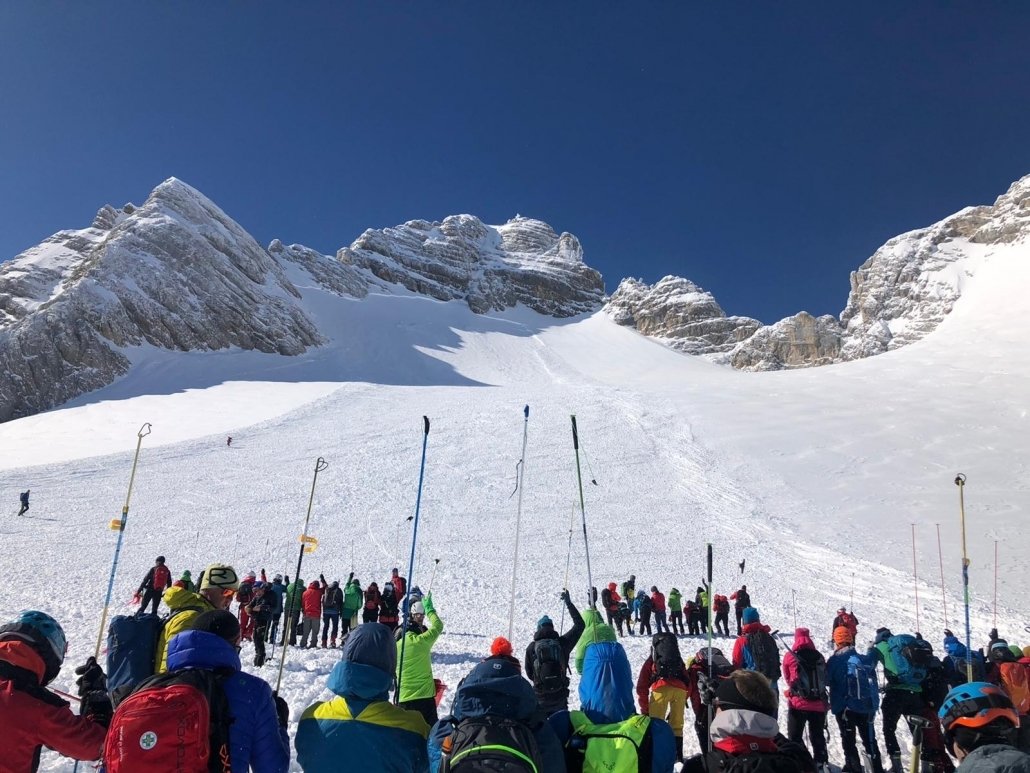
{"type": "Point", "coordinates": [596, 630]}
{"type": "Point", "coordinates": [352, 599]}
{"type": "Point", "coordinates": [295, 591]}
{"type": "Point", "coordinates": [675, 601]}
{"type": "Point", "coordinates": [882, 653]}
{"type": "Point", "coordinates": [417, 676]}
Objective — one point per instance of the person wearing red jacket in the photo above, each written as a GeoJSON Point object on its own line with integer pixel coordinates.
{"type": "Point", "coordinates": [610, 599]}
{"type": "Point", "coordinates": [658, 606]}
{"type": "Point", "coordinates": [805, 708]}
{"type": "Point", "coordinates": [664, 696]}
{"type": "Point", "coordinates": [400, 584]}
{"type": "Point", "coordinates": [846, 619]}
{"type": "Point", "coordinates": [311, 604]}
{"type": "Point", "coordinates": [32, 650]}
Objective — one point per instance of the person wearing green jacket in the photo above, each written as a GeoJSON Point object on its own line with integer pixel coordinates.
{"type": "Point", "coordinates": [293, 606]}
{"type": "Point", "coordinates": [414, 663]}
{"type": "Point", "coordinates": [595, 630]}
{"type": "Point", "coordinates": [676, 611]}
{"type": "Point", "coordinates": [352, 601]}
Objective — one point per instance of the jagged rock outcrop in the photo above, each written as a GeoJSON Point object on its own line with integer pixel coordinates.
{"type": "Point", "coordinates": [175, 273]}
{"type": "Point", "coordinates": [798, 341]}
{"type": "Point", "coordinates": [680, 314]}
{"type": "Point", "coordinates": [328, 273]}
{"type": "Point", "coordinates": [490, 267]}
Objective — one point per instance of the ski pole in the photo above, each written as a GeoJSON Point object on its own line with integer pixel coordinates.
{"type": "Point", "coordinates": [995, 583]}
{"type": "Point", "coordinates": [411, 561]}
{"type": "Point", "coordinates": [915, 575]}
{"type": "Point", "coordinates": [305, 540]}
{"type": "Point", "coordinates": [519, 480]}
{"type": "Point", "coordinates": [944, 596]}
{"type": "Point", "coordinates": [583, 511]}
{"type": "Point", "coordinates": [568, 562]}
{"type": "Point", "coordinates": [852, 594]}
{"type": "Point", "coordinates": [794, 604]}
{"type": "Point", "coordinates": [436, 563]}
{"type": "Point", "coordinates": [710, 672]}
{"type": "Point", "coordinates": [120, 526]}
{"type": "Point", "coordinates": [960, 481]}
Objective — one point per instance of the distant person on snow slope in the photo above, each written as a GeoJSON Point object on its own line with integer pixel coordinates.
{"type": "Point", "coordinates": [24, 499]}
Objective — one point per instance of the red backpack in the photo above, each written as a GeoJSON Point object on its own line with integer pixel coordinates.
{"type": "Point", "coordinates": [162, 577]}
{"type": "Point", "coordinates": [177, 721]}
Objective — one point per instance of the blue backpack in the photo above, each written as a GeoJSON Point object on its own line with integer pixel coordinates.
{"type": "Point", "coordinates": [131, 651]}
{"type": "Point", "coordinates": [911, 659]}
{"type": "Point", "coordinates": [863, 690]}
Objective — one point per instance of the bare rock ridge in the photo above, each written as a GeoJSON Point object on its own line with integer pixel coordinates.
{"type": "Point", "coordinates": [898, 296]}
{"type": "Point", "coordinates": [177, 273]}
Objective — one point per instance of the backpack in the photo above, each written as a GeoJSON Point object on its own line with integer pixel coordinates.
{"type": "Point", "coordinates": [177, 721]}
{"type": "Point", "coordinates": [645, 603]}
{"type": "Point", "coordinates": [131, 651]}
{"type": "Point", "coordinates": [371, 599]}
{"type": "Point", "coordinates": [1015, 678]}
{"type": "Point", "coordinates": [549, 666]}
{"type": "Point", "coordinates": [389, 600]}
{"type": "Point", "coordinates": [962, 662]}
{"type": "Point", "coordinates": [765, 658]}
{"type": "Point", "coordinates": [162, 577]}
{"type": "Point", "coordinates": [623, 747]}
{"type": "Point", "coordinates": [490, 744]}
{"type": "Point", "coordinates": [665, 654]}
{"type": "Point", "coordinates": [863, 690]}
{"type": "Point", "coordinates": [758, 762]}
{"type": "Point", "coordinates": [811, 681]}
{"type": "Point", "coordinates": [245, 594]}
{"type": "Point", "coordinates": [722, 604]}
{"type": "Point", "coordinates": [911, 659]}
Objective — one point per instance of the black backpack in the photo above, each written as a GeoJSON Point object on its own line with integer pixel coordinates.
{"type": "Point", "coordinates": [764, 654]}
{"type": "Point", "coordinates": [665, 654]}
{"type": "Point", "coordinates": [490, 744]}
{"type": "Point", "coordinates": [811, 681]}
{"type": "Point", "coordinates": [549, 666]}
{"type": "Point", "coordinates": [757, 762]}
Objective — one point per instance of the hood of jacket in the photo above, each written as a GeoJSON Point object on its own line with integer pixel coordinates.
{"type": "Point", "coordinates": [606, 687]}
{"type": "Point", "coordinates": [755, 628]}
{"type": "Point", "coordinates": [803, 639]}
{"type": "Point", "coordinates": [495, 686]}
{"type": "Point", "coordinates": [954, 647]}
{"type": "Point", "coordinates": [200, 649]}
{"type": "Point", "coordinates": [733, 723]}
{"type": "Point", "coordinates": [366, 669]}
{"type": "Point", "coordinates": [21, 654]}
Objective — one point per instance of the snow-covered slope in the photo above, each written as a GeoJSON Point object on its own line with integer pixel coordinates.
{"type": "Point", "coordinates": [813, 475]}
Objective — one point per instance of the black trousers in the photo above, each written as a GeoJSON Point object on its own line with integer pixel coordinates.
{"type": "Point", "coordinates": [676, 619]}
{"type": "Point", "coordinates": [260, 632]}
{"type": "Point", "coordinates": [722, 623]}
{"type": "Point", "coordinates": [816, 721]}
{"type": "Point", "coordinates": [328, 620]}
{"type": "Point", "coordinates": [150, 595]}
{"type": "Point", "coordinates": [424, 706]}
{"type": "Point", "coordinates": [739, 612]}
{"type": "Point", "coordinates": [899, 703]}
{"type": "Point", "coordinates": [849, 723]}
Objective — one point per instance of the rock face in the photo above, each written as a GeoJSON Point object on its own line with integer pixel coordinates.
{"type": "Point", "coordinates": [680, 314]}
{"type": "Point", "coordinates": [177, 273]}
{"type": "Point", "coordinates": [898, 296]}
{"type": "Point", "coordinates": [490, 267]}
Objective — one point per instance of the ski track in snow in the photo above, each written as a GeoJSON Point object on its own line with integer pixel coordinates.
{"type": "Point", "coordinates": [813, 476]}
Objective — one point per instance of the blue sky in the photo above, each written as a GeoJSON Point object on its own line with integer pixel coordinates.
{"type": "Point", "coordinates": [763, 150]}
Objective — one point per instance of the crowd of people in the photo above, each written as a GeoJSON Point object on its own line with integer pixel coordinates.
{"type": "Point", "coordinates": [508, 713]}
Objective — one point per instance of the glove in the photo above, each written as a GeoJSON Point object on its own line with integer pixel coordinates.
{"type": "Point", "coordinates": [135, 597]}
{"type": "Point", "coordinates": [706, 689]}
{"type": "Point", "coordinates": [91, 677]}
{"type": "Point", "coordinates": [96, 707]}
{"type": "Point", "coordinates": [565, 596]}
{"type": "Point", "coordinates": [282, 710]}
{"type": "Point", "coordinates": [427, 602]}
{"type": "Point", "coordinates": [948, 633]}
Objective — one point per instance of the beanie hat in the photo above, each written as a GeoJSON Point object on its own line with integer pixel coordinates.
{"type": "Point", "coordinates": [883, 634]}
{"type": "Point", "coordinates": [729, 697]}
{"type": "Point", "coordinates": [544, 622]}
{"type": "Point", "coordinates": [842, 636]}
{"type": "Point", "coordinates": [220, 622]}
{"type": "Point", "coordinates": [371, 644]}
{"type": "Point", "coordinates": [250, 576]}
{"type": "Point", "coordinates": [500, 647]}
{"type": "Point", "coordinates": [186, 573]}
{"type": "Point", "coordinates": [654, 589]}
{"type": "Point", "coordinates": [749, 615]}
{"type": "Point", "coordinates": [418, 608]}
{"type": "Point", "coordinates": [159, 560]}
{"type": "Point", "coordinates": [220, 576]}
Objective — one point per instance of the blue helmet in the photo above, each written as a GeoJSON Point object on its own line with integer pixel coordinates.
{"type": "Point", "coordinates": [43, 634]}
{"type": "Point", "coordinates": [975, 705]}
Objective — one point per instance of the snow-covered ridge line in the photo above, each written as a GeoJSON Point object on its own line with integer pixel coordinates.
{"type": "Point", "coordinates": [898, 296]}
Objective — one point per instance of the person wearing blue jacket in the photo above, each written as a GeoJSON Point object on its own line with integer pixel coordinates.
{"type": "Point", "coordinates": [257, 737]}
{"type": "Point", "coordinates": [606, 692]}
{"type": "Point", "coordinates": [496, 687]}
{"type": "Point", "coordinates": [360, 730]}
{"type": "Point", "coordinates": [854, 707]}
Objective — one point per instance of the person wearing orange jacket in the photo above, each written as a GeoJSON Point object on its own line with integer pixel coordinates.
{"type": "Point", "coordinates": [311, 604]}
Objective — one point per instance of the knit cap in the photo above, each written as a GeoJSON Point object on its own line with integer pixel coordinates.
{"type": "Point", "coordinates": [729, 697]}
{"type": "Point", "coordinates": [842, 636]}
{"type": "Point", "coordinates": [544, 621]}
{"type": "Point", "coordinates": [750, 615]}
{"type": "Point", "coordinates": [500, 647]}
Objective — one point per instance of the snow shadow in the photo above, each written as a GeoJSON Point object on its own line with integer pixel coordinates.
{"type": "Point", "coordinates": [395, 340]}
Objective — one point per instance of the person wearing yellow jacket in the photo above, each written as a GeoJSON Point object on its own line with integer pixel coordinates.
{"type": "Point", "coordinates": [414, 664]}
{"type": "Point", "coordinates": [218, 587]}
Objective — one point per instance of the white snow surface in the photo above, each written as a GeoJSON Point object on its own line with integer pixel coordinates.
{"type": "Point", "coordinates": [815, 476]}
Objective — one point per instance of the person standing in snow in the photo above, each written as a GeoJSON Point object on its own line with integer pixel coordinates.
{"type": "Point", "coordinates": [352, 599]}
{"type": "Point", "coordinates": [244, 595]}
{"type": "Point", "coordinates": [153, 586]}
{"type": "Point", "coordinates": [417, 688]}
{"type": "Point", "coordinates": [854, 699]}
{"type": "Point", "coordinates": [806, 697]}
{"type": "Point", "coordinates": [741, 601]}
{"type": "Point", "coordinates": [676, 611]}
{"type": "Point", "coordinates": [702, 604]}
{"type": "Point", "coordinates": [658, 604]}
{"type": "Point", "coordinates": [332, 606]}
{"type": "Point", "coordinates": [311, 603]}
{"type": "Point", "coordinates": [756, 650]}
{"type": "Point", "coordinates": [259, 611]}
{"type": "Point", "coordinates": [228, 441]}
{"type": "Point", "coordinates": [643, 606]}
{"type": "Point", "coordinates": [370, 612]}
{"type": "Point", "coordinates": [389, 612]}
{"type": "Point", "coordinates": [610, 601]}
{"type": "Point", "coordinates": [629, 589]}
{"type": "Point", "coordinates": [547, 659]}
{"type": "Point", "coordinates": [846, 619]}
{"type": "Point", "coordinates": [294, 610]}
{"type": "Point", "coordinates": [276, 592]}
{"type": "Point", "coordinates": [24, 499]}
{"type": "Point", "coordinates": [722, 615]}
